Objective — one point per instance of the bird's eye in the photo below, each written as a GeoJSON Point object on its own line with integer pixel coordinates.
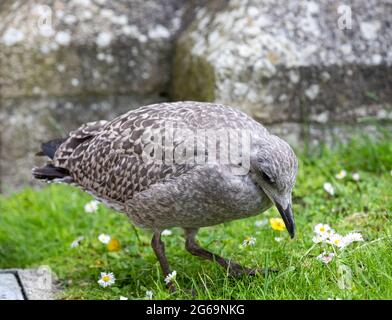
{"type": "Point", "coordinates": [267, 178]}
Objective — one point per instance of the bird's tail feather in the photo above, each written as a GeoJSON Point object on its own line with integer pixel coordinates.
{"type": "Point", "coordinates": [49, 148]}
{"type": "Point", "coordinates": [50, 172]}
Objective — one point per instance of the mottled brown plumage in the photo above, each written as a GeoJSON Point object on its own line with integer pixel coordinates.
{"type": "Point", "coordinates": [108, 160]}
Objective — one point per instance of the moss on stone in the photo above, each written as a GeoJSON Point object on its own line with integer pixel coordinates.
{"type": "Point", "coordinates": [193, 76]}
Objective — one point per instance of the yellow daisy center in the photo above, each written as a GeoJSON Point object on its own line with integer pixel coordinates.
{"type": "Point", "coordinates": [322, 229]}
{"type": "Point", "coordinates": [106, 278]}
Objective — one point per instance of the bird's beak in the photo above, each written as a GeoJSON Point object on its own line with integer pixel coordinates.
{"type": "Point", "coordinates": [288, 218]}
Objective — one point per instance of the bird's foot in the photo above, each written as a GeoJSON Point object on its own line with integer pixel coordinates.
{"type": "Point", "coordinates": [171, 287]}
{"type": "Point", "coordinates": [190, 292]}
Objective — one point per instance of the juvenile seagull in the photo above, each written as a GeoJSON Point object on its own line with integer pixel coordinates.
{"type": "Point", "coordinates": [130, 164]}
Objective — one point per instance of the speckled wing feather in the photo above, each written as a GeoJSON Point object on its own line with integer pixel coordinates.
{"type": "Point", "coordinates": [79, 137]}
{"type": "Point", "coordinates": [105, 158]}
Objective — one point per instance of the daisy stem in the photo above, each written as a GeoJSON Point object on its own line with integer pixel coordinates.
{"type": "Point", "coordinates": [137, 235]}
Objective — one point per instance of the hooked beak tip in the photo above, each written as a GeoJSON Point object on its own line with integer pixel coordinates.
{"type": "Point", "coordinates": [288, 218]}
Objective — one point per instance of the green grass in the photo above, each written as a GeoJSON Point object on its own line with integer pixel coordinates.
{"type": "Point", "coordinates": [38, 226]}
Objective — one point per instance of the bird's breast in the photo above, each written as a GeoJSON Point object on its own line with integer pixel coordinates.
{"type": "Point", "coordinates": [203, 197]}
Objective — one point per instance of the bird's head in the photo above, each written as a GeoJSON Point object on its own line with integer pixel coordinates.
{"type": "Point", "coordinates": [274, 166]}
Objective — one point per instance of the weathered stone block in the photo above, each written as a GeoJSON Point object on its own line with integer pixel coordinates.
{"type": "Point", "coordinates": [9, 287]}
{"type": "Point", "coordinates": [63, 63]}
{"type": "Point", "coordinates": [87, 47]}
{"type": "Point", "coordinates": [289, 61]}
{"type": "Point", "coordinates": [28, 284]}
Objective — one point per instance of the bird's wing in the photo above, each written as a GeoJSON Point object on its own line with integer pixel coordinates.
{"type": "Point", "coordinates": [114, 160]}
{"type": "Point", "coordinates": [75, 138]}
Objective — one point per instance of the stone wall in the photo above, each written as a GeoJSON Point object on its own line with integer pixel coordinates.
{"type": "Point", "coordinates": [63, 63]}
{"type": "Point", "coordinates": [286, 63]}
{"type": "Point", "coordinates": [289, 64]}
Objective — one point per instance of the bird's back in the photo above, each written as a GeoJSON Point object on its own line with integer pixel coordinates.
{"type": "Point", "coordinates": [106, 158]}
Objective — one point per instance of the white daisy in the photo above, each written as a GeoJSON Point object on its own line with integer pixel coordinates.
{"type": "Point", "coordinates": [123, 298]}
{"type": "Point", "coordinates": [325, 257]}
{"type": "Point", "coordinates": [353, 237]}
{"type": "Point", "coordinates": [249, 241]}
{"type": "Point", "coordinates": [76, 242]}
{"type": "Point", "coordinates": [106, 279]}
{"type": "Point", "coordinates": [91, 206]}
{"type": "Point", "coordinates": [171, 276]}
{"type": "Point", "coordinates": [341, 175]}
{"type": "Point", "coordinates": [319, 238]}
{"type": "Point", "coordinates": [337, 240]}
{"type": "Point", "coordinates": [104, 238]}
{"type": "Point", "coordinates": [329, 188]}
{"type": "Point", "coordinates": [261, 223]}
{"type": "Point", "coordinates": [166, 232]}
{"type": "Point", "coordinates": [322, 229]}
{"type": "Point", "coordinates": [356, 176]}
{"type": "Point", "coordinates": [149, 294]}
{"type": "Point", "coordinates": [278, 239]}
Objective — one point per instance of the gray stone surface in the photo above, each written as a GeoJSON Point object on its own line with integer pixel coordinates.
{"type": "Point", "coordinates": [93, 59]}
{"type": "Point", "coordinates": [25, 124]}
{"type": "Point", "coordinates": [288, 61]}
{"type": "Point", "coordinates": [90, 47]}
{"type": "Point", "coordinates": [28, 284]}
{"type": "Point", "coordinates": [9, 287]}
{"type": "Point", "coordinates": [310, 135]}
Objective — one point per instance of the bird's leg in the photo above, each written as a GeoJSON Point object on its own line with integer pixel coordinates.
{"type": "Point", "coordinates": [234, 268]}
{"type": "Point", "coordinates": [159, 248]}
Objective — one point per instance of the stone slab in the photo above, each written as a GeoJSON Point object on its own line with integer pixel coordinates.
{"type": "Point", "coordinates": [289, 61]}
{"type": "Point", "coordinates": [10, 288]}
{"type": "Point", "coordinates": [28, 284]}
